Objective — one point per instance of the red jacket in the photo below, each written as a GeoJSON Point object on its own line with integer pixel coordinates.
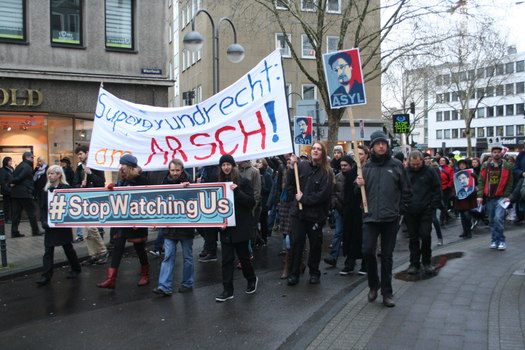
{"type": "Point", "coordinates": [505, 181]}
{"type": "Point", "coordinates": [447, 177]}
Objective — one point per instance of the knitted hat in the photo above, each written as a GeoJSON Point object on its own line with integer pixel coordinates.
{"type": "Point", "coordinates": [376, 137]}
{"type": "Point", "coordinates": [338, 149]}
{"type": "Point", "coordinates": [227, 158]}
{"type": "Point", "coordinates": [347, 159]}
{"type": "Point", "coordinates": [129, 160]}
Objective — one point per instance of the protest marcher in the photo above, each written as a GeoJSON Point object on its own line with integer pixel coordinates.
{"type": "Point", "coordinates": [55, 237]}
{"type": "Point", "coordinates": [465, 193]}
{"type": "Point", "coordinates": [337, 200]}
{"type": "Point", "coordinates": [172, 236]}
{"type": "Point", "coordinates": [435, 221]}
{"type": "Point", "coordinates": [287, 194]}
{"type": "Point", "coordinates": [22, 190]}
{"type": "Point", "coordinates": [426, 197]}
{"type": "Point", "coordinates": [235, 239]}
{"type": "Point", "coordinates": [130, 174]}
{"type": "Point", "coordinates": [6, 175]}
{"type": "Point", "coordinates": [447, 183]}
{"type": "Point", "coordinates": [86, 177]}
{"type": "Point", "coordinates": [39, 178]}
{"type": "Point", "coordinates": [65, 163]}
{"type": "Point", "coordinates": [316, 180]}
{"type": "Point", "coordinates": [519, 173]}
{"type": "Point", "coordinates": [353, 219]}
{"type": "Point", "coordinates": [248, 171]}
{"type": "Point", "coordinates": [335, 163]}
{"type": "Point", "coordinates": [494, 185]}
{"type": "Point", "coordinates": [383, 177]}
{"type": "Point", "coordinates": [266, 188]}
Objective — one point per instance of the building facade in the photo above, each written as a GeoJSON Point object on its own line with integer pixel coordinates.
{"type": "Point", "coordinates": [496, 102]}
{"type": "Point", "coordinates": [56, 54]}
{"type": "Point", "coordinates": [259, 33]}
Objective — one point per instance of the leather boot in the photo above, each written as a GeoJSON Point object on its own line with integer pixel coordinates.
{"type": "Point", "coordinates": [286, 268]}
{"type": "Point", "coordinates": [144, 275]}
{"type": "Point", "coordinates": [111, 281]}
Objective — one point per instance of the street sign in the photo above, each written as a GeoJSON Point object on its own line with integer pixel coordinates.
{"type": "Point", "coordinates": [401, 123]}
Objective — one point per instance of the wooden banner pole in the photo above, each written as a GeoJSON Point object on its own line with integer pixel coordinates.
{"type": "Point", "coordinates": [348, 111]}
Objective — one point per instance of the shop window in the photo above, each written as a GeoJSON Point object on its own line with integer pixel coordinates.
{"type": "Point", "coordinates": [12, 21]}
{"type": "Point", "coordinates": [66, 22]}
{"type": "Point", "coordinates": [119, 25]}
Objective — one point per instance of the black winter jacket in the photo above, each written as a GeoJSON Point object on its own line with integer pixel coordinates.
{"type": "Point", "coordinates": [244, 201]}
{"type": "Point", "coordinates": [55, 236]}
{"type": "Point", "coordinates": [23, 180]}
{"type": "Point", "coordinates": [426, 190]}
{"type": "Point", "coordinates": [95, 179]}
{"type": "Point", "coordinates": [387, 189]}
{"type": "Point", "coordinates": [316, 185]}
{"type": "Point", "coordinates": [177, 233]}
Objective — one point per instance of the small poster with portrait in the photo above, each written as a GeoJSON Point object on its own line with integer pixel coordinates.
{"type": "Point", "coordinates": [464, 183]}
{"type": "Point", "coordinates": [344, 78]}
{"type": "Point", "coordinates": [303, 131]}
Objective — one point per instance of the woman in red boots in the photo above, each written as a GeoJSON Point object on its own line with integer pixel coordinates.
{"type": "Point", "coordinates": [130, 174]}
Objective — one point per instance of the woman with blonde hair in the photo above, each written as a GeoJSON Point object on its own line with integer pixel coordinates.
{"type": "Point", "coordinates": [56, 236]}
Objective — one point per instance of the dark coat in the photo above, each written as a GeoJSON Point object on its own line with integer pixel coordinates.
{"type": "Point", "coordinates": [70, 175]}
{"type": "Point", "coordinates": [6, 176]}
{"type": "Point", "coordinates": [244, 201]}
{"type": "Point", "coordinates": [54, 236]}
{"type": "Point", "coordinates": [95, 179]}
{"type": "Point", "coordinates": [426, 190]}
{"type": "Point", "coordinates": [23, 180]}
{"type": "Point", "coordinates": [41, 181]}
{"type": "Point", "coordinates": [316, 186]}
{"type": "Point", "coordinates": [130, 232]}
{"type": "Point", "coordinates": [177, 233]}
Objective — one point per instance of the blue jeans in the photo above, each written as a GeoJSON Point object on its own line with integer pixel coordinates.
{"type": "Point", "coordinates": [159, 242]}
{"type": "Point", "coordinates": [168, 264]}
{"type": "Point", "coordinates": [496, 214]}
{"type": "Point", "coordinates": [338, 235]}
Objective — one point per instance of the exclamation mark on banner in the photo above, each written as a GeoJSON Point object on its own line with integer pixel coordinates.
{"type": "Point", "coordinates": [271, 113]}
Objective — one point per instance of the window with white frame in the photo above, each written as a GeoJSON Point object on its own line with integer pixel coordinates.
{"type": "Point", "coordinates": [490, 131]}
{"type": "Point", "coordinates": [509, 110]}
{"type": "Point", "coordinates": [333, 6]}
{"type": "Point", "coordinates": [307, 47]}
{"type": "Point", "coordinates": [309, 92]}
{"type": "Point", "coordinates": [446, 134]}
{"type": "Point", "coordinates": [509, 130]}
{"type": "Point", "coordinates": [331, 43]}
{"type": "Point", "coordinates": [183, 18]}
{"type": "Point", "coordinates": [480, 132]}
{"type": "Point", "coordinates": [439, 134]}
{"type": "Point", "coordinates": [280, 43]}
{"type": "Point", "coordinates": [198, 94]}
{"type": "Point", "coordinates": [308, 5]}
{"type": "Point", "coordinates": [520, 130]}
{"type": "Point", "coordinates": [481, 112]}
{"type": "Point", "coordinates": [282, 4]}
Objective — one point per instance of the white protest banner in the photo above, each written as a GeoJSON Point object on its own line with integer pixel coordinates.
{"type": "Point", "coordinates": [248, 120]}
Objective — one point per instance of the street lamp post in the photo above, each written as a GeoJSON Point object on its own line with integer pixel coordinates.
{"type": "Point", "coordinates": [193, 41]}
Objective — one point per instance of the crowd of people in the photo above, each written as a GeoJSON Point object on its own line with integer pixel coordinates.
{"type": "Point", "coordinates": [295, 197]}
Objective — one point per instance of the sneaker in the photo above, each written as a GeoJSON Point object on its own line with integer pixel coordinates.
{"type": "Point", "coordinates": [162, 292]}
{"type": "Point", "coordinates": [102, 259]}
{"type": "Point", "coordinates": [185, 289]}
{"type": "Point", "coordinates": [155, 253]}
{"type": "Point", "coordinates": [502, 246]}
{"type": "Point", "coordinates": [252, 286]}
{"type": "Point", "coordinates": [413, 270]}
{"type": "Point", "coordinates": [493, 245]}
{"type": "Point", "coordinates": [346, 271]}
{"type": "Point", "coordinates": [440, 241]}
{"type": "Point", "coordinates": [362, 271]}
{"type": "Point", "coordinates": [224, 296]}
{"type": "Point", "coordinates": [78, 239]}
{"type": "Point", "coordinates": [208, 258]}
{"type": "Point", "coordinates": [330, 261]}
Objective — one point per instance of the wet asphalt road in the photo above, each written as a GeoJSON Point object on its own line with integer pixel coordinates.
{"type": "Point", "coordinates": [76, 314]}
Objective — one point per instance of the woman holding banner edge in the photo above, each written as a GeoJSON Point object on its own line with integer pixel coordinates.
{"type": "Point", "coordinates": [130, 174]}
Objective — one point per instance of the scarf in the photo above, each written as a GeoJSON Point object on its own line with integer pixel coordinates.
{"type": "Point", "coordinates": [39, 172]}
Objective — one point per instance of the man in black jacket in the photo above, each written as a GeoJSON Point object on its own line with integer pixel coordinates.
{"type": "Point", "coordinates": [388, 192]}
{"type": "Point", "coordinates": [6, 175]}
{"type": "Point", "coordinates": [22, 188]}
{"type": "Point", "coordinates": [426, 197]}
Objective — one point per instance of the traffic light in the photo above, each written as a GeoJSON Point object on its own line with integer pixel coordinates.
{"type": "Point", "coordinates": [412, 108]}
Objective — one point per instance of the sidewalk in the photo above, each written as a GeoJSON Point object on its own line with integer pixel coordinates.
{"type": "Point", "coordinates": [24, 254]}
{"type": "Point", "coordinates": [474, 302]}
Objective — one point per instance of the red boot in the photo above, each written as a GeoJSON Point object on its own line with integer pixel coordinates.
{"type": "Point", "coordinates": [111, 281]}
{"type": "Point", "coordinates": [144, 275]}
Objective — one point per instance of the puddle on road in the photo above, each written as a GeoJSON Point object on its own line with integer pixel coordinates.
{"type": "Point", "coordinates": [438, 262]}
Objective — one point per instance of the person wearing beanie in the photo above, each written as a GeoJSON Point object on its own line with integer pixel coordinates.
{"type": "Point", "coordinates": [383, 177]}
{"type": "Point", "coordinates": [337, 209]}
{"type": "Point", "coordinates": [130, 174]}
{"type": "Point", "coordinates": [235, 239]}
{"type": "Point", "coordinates": [316, 180]}
{"type": "Point", "coordinates": [336, 160]}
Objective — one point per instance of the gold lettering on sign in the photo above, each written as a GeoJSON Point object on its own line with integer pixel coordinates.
{"type": "Point", "coordinates": [34, 97]}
